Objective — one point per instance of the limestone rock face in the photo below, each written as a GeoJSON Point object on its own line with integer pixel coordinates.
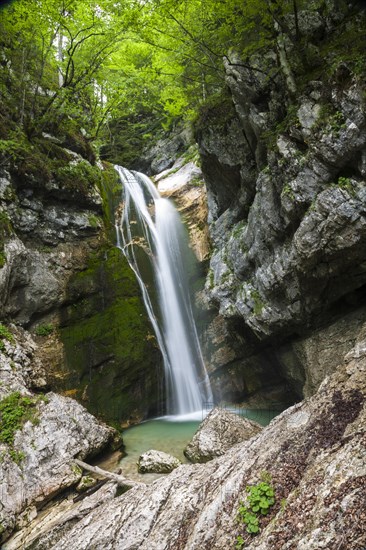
{"type": "Point", "coordinates": [220, 431]}
{"type": "Point", "coordinates": [285, 180]}
{"type": "Point", "coordinates": [314, 455]}
{"type": "Point", "coordinates": [64, 430]}
{"type": "Point", "coordinates": [184, 184]}
{"type": "Point", "coordinates": [58, 519]}
{"type": "Point", "coordinates": [63, 280]}
{"type": "Point", "coordinates": [157, 462]}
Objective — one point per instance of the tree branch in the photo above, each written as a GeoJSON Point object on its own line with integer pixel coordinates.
{"type": "Point", "coordinates": [122, 481]}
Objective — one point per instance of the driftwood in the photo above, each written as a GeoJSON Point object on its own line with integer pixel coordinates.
{"type": "Point", "coordinates": [122, 481]}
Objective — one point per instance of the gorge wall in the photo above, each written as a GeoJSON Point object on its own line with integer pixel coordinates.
{"type": "Point", "coordinates": [63, 280]}
{"type": "Point", "coordinates": [284, 166]}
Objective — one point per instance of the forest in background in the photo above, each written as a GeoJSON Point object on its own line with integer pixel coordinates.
{"type": "Point", "coordinates": [123, 72]}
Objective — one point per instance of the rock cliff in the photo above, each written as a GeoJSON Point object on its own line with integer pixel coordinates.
{"type": "Point", "coordinates": [62, 279]}
{"type": "Point", "coordinates": [285, 176]}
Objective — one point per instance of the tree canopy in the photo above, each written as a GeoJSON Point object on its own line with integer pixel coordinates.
{"type": "Point", "coordinates": [87, 63]}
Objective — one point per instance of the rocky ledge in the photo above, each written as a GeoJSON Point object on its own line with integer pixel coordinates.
{"type": "Point", "coordinates": [312, 456]}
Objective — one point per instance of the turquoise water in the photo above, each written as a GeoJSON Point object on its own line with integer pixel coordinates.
{"type": "Point", "coordinates": [171, 435]}
{"type": "Point", "coordinates": [161, 435]}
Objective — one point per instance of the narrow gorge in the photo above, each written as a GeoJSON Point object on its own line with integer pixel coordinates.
{"type": "Point", "coordinates": [249, 122]}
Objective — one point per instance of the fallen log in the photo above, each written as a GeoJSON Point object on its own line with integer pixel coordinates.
{"type": "Point", "coordinates": [122, 481]}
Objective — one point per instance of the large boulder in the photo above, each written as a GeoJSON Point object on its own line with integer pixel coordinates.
{"type": "Point", "coordinates": [40, 463]}
{"type": "Point", "coordinates": [40, 435]}
{"type": "Point", "coordinates": [219, 431]}
{"type": "Point", "coordinates": [157, 462]}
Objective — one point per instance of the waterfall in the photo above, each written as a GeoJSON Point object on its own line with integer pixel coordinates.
{"type": "Point", "coordinates": [151, 236]}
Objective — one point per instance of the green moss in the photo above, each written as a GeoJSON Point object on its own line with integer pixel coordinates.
{"type": "Point", "coordinates": [111, 192]}
{"type": "Point", "coordinates": [216, 112]}
{"type": "Point", "coordinates": [110, 354]}
{"type": "Point", "coordinates": [80, 178]}
{"type": "Point", "coordinates": [211, 279]}
{"type": "Point", "coordinates": [238, 229]}
{"type": "Point", "coordinates": [5, 231]}
{"type": "Point", "coordinates": [15, 410]}
{"type": "Point", "coordinates": [258, 302]}
{"type": "Point", "coordinates": [5, 334]}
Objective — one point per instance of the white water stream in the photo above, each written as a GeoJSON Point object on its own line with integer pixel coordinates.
{"type": "Point", "coordinates": [151, 236]}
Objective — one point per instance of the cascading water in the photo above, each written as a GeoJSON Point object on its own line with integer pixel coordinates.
{"type": "Point", "coordinates": [151, 228]}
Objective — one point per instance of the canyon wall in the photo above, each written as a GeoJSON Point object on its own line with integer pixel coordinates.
{"type": "Point", "coordinates": [284, 167]}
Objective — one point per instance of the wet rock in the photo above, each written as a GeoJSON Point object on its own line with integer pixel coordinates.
{"type": "Point", "coordinates": [219, 431]}
{"type": "Point", "coordinates": [185, 186]}
{"type": "Point", "coordinates": [157, 462]}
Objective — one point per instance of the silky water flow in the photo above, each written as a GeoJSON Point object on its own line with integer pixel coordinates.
{"type": "Point", "coordinates": [152, 237]}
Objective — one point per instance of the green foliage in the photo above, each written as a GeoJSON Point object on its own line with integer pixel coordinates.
{"type": "Point", "coordinates": [126, 71]}
{"type": "Point", "coordinates": [15, 410]}
{"type": "Point", "coordinates": [288, 191]}
{"type": "Point", "coordinates": [260, 498]}
{"type": "Point", "coordinates": [5, 334]}
{"type": "Point", "coordinates": [80, 178]}
{"type": "Point", "coordinates": [16, 456]}
{"type": "Point", "coordinates": [346, 184]}
{"type": "Point", "coordinates": [44, 330]}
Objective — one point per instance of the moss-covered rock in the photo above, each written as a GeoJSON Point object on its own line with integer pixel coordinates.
{"type": "Point", "coordinates": [110, 353]}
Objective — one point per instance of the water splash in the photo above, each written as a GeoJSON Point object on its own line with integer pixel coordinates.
{"type": "Point", "coordinates": [151, 236]}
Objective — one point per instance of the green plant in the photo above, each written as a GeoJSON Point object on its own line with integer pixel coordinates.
{"type": "Point", "coordinates": [260, 498]}
{"type": "Point", "coordinates": [239, 542]}
{"type": "Point", "coordinates": [288, 191]}
{"type": "Point", "coordinates": [44, 330]}
{"type": "Point", "coordinates": [211, 279]}
{"type": "Point", "coordinates": [5, 334]}
{"type": "Point", "coordinates": [16, 456]}
{"type": "Point", "coordinates": [94, 221]}
{"type": "Point", "coordinates": [257, 301]}
{"type": "Point", "coordinates": [15, 410]}
{"type": "Point", "coordinates": [2, 259]}
{"type": "Point", "coordinates": [344, 182]}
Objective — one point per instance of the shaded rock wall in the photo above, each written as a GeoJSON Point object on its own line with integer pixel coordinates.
{"type": "Point", "coordinates": [285, 178]}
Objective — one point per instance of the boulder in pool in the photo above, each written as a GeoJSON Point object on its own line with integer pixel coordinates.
{"type": "Point", "coordinates": [220, 431]}
{"type": "Point", "coordinates": [157, 462]}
